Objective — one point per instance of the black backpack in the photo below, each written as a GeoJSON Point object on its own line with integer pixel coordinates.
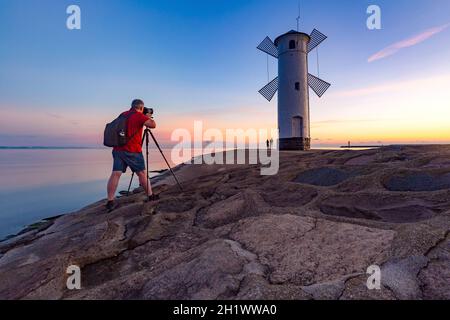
{"type": "Point", "coordinates": [115, 134]}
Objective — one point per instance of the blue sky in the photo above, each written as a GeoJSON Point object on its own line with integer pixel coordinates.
{"type": "Point", "coordinates": [198, 60]}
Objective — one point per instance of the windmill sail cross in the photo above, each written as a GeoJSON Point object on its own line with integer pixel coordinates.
{"type": "Point", "coordinates": [318, 85]}
{"type": "Point", "coordinates": [268, 47]}
{"type": "Point", "coordinates": [270, 89]}
{"type": "Point", "coordinates": [317, 38]}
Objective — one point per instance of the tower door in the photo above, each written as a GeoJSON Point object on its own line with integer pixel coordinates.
{"type": "Point", "coordinates": [297, 127]}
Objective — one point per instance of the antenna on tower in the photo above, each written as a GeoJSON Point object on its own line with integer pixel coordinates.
{"type": "Point", "coordinates": [298, 17]}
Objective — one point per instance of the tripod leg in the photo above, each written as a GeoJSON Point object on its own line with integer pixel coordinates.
{"type": "Point", "coordinates": [129, 186]}
{"type": "Point", "coordinates": [167, 162]}
{"type": "Point", "coordinates": [146, 149]}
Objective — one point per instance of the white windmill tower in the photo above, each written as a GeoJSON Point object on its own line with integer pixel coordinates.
{"type": "Point", "coordinates": [292, 49]}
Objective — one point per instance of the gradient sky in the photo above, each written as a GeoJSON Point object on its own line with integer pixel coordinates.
{"type": "Point", "coordinates": [197, 60]}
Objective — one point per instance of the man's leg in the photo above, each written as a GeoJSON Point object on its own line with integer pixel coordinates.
{"type": "Point", "coordinates": [113, 182]}
{"type": "Point", "coordinates": [143, 181]}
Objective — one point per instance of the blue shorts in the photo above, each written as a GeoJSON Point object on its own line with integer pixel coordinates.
{"type": "Point", "coordinates": [124, 159]}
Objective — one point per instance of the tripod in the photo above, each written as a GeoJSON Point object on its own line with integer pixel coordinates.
{"type": "Point", "coordinates": [145, 138]}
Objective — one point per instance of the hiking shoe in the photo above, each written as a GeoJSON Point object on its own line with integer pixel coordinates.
{"type": "Point", "coordinates": [110, 206]}
{"type": "Point", "coordinates": [153, 197]}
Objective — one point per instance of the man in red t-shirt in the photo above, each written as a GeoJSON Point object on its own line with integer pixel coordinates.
{"type": "Point", "coordinates": [130, 155]}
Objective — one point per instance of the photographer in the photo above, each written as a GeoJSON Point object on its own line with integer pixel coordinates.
{"type": "Point", "coordinates": [130, 155]}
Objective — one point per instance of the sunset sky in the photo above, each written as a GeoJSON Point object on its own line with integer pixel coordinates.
{"type": "Point", "coordinates": [197, 60]}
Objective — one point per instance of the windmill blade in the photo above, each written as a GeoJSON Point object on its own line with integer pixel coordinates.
{"type": "Point", "coordinates": [317, 38]}
{"type": "Point", "coordinates": [268, 47]}
{"type": "Point", "coordinates": [318, 85]}
{"type": "Point", "coordinates": [270, 89]}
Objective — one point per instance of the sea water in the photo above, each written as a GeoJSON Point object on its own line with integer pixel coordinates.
{"type": "Point", "coordinates": [41, 183]}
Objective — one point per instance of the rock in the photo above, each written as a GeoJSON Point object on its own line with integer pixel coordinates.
{"type": "Point", "coordinates": [230, 210]}
{"type": "Point", "coordinates": [380, 207]}
{"type": "Point", "coordinates": [326, 291]}
{"type": "Point", "coordinates": [326, 176]}
{"type": "Point", "coordinates": [310, 232]}
{"type": "Point", "coordinates": [435, 280]}
{"type": "Point", "coordinates": [255, 287]}
{"type": "Point", "coordinates": [437, 163]}
{"type": "Point", "coordinates": [401, 277]}
{"type": "Point", "coordinates": [419, 181]}
{"type": "Point", "coordinates": [304, 251]}
{"type": "Point", "coordinates": [215, 273]}
{"type": "Point", "coordinates": [435, 277]}
{"type": "Point", "coordinates": [361, 160]}
{"type": "Point", "coordinates": [289, 195]}
{"type": "Point", "coordinates": [356, 289]}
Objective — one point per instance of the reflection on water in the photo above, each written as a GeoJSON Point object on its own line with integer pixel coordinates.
{"type": "Point", "coordinates": [37, 184]}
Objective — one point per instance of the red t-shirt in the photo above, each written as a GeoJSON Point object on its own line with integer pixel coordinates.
{"type": "Point", "coordinates": [135, 126]}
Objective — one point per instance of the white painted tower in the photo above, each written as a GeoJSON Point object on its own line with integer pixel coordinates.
{"type": "Point", "coordinates": [293, 82]}
{"type": "Point", "coordinates": [293, 91]}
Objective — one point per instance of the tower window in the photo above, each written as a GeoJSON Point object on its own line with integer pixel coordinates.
{"type": "Point", "coordinates": [297, 86]}
{"type": "Point", "coordinates": [292, 44]}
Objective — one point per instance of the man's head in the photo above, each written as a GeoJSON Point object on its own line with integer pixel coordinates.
{"type": "Point", "coordinates": [138, 105]}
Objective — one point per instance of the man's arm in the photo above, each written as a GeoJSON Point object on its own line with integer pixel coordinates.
{"type": "Point", "coordinates": [150, 123]}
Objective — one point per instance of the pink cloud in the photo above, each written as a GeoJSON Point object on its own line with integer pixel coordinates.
{"type": "Point", "coordinates": [394, 48]}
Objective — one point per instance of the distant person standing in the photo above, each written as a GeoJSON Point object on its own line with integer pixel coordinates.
{"type": "Point", "coordinates": [130, 154]}
{"type": "Point", "coordinates": [267, 143]}
{"type": "Point", "coordinates": [271, 143]}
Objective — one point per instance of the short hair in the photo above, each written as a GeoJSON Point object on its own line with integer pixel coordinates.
{"type": "Point", "coordinates": [136, 103]}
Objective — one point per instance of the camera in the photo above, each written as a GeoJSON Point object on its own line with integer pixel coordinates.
{"type": "Point", "coordinates": [148, 111]}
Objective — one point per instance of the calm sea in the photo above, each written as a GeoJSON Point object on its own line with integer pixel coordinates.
{"type": "Point", "coordinates": [40, 183]}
